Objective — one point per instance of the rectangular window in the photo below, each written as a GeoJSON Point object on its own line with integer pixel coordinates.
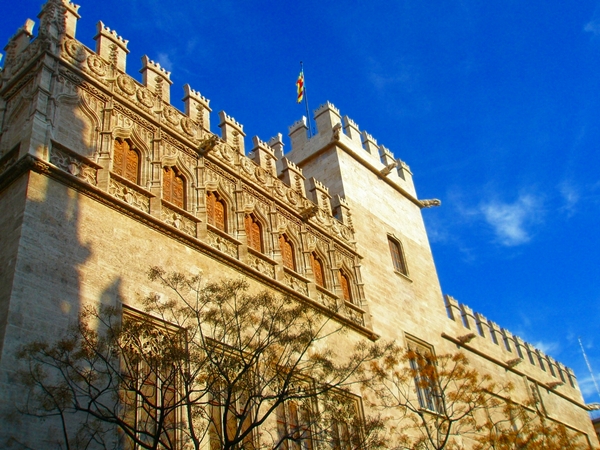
{"type": "Point", "coordinates": [149, 379]}
{"type": "Point", "coordinates": [230, 420]}
{"type": "Point", "coordinates": [294, 426]}
{"type": "Point", "coordinates": [397, 256]}
{"type": "Point", "coordinates": [424, 373]}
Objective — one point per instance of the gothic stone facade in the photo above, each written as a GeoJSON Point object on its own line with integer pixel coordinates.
{"type": "Point", "coordinates": [100, 178]}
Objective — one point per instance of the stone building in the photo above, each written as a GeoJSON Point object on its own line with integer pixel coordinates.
{"type": "Point", "coordinates": [100, 178]}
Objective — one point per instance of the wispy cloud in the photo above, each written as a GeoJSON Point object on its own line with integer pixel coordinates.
{"type": "Point", "coordinates": [549, 348]}
{"type": "Point", "coordinates": [511, 221]}
{"type": "Point", "coordinates": [164, 60]}
{"type": "Point", "coordinates": [570, 196]}
{"type": "Point", "coordinates": [593, 27]}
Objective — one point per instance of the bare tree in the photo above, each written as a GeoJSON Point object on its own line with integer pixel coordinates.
{"type": "Point", "coordinates": [212, 362]}
{"type": "Point", "coordinates": [436, 399]}
{"type": "Point", "coordinates": [526, 427]}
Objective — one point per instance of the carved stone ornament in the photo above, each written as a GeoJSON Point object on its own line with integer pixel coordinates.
{"type": "Point", "coordinates": [293, 197]}
{"type": "Point", "coordinates": [126, 84]}
{"type": "Point", "coordinates": [226, 152]}
{"type": "Point", "coordinates": [247, 166]}
{"type": "Point", "coordinates": [96, 65]}
{"type": "Point", "coordinates": [75, 50]}
{"type": "Point", "coordinates": [171, 115]}
{"type": "Point", "coordinates": [188, 126]}
{"type": "Point", "coordinates": [430, 203]}
{"type": "Point", "coordinates": [145, 97]}
{"type": "Point", "coordinates": [279, 188]}
{"type": "Point", "coordinates": [260, 174]}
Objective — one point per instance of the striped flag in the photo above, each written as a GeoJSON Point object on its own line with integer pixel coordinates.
{"type": "Point", "coordinates": [300, 86]}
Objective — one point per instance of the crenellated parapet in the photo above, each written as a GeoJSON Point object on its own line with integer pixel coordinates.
{"type": "Point", "coordinates": [156, 79]}
{"type": "Point", "coordinates": [506, 347]}
{"type": "Point", "coordinates": [91, 113]}
{"type": "Point", "coordinates": [232, 132]}
{"type": "Point", "coordinates": [111, 47]}
{"type": "Point", "coordinates": [333, 129]}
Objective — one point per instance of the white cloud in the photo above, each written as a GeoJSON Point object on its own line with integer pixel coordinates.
{"type": "Point", "coordinates": [510, 221]}
{"type": "Point", "coordinates": [549, 348]}
{"type": "Point", "coordinates": [165, 62]}
{"type": "Point", "coordinates": [570, 196]}
{"type": "Point", "coordinates": [593, 26]}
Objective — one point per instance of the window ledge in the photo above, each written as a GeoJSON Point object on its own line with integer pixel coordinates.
{"type": "Point", "coordinates": [180, 210]}
{"type": "Point", "coordinates": [406, 277]}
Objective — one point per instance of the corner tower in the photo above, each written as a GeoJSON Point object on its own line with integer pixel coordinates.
{"type": "Point", "coordinates": [400, 281]}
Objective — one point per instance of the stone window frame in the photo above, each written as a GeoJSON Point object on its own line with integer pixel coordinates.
{"type": "Point", "coordinates": [397, 255]}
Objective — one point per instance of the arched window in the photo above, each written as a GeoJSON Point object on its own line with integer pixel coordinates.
{"type": "Point", "coordinates": [345, 286]}
{"type": "Point", "coordinates": [173, 188]}
{"type": "Point", "coordinates": [287, 252]}
{"type": "Point", "coordinates": [253, 232]}
{"type": "Point", "coordinates": [317, 267]}
{"type": "Point", "coordinates": [126, 160]}
{"type": "Point", "coordinates": [215, 211]}
{"type": "Point", "coordinates": [397, 256]}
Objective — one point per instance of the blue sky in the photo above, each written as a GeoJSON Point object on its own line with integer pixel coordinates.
{"type": "Point", "coordinates": [494, 105]}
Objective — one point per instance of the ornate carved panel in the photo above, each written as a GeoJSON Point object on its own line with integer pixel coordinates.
{"type": "Point", "coordinates": [129, 195]}
{"type": "Point", "coordinates": [178, 220]}
{"type": "Point", "coordinates": [222, 244]}
{"type": "Point", "coordinates": [74, 166]}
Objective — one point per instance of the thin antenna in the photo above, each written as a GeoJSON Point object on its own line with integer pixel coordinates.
{"type": "Point", "coordinates": [588, 366]}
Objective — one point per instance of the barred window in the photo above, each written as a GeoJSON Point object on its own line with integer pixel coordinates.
{"type": "Point", "coordinates": [253, 232]}
{"type": "Point", "coordinates": [173, 189]}
{"type": "Point", "coordinates": [216, 212]}
{"type": "Point", "coordinates": [126, 160]}
{"type": "Point", "coordinates": [397, 256]}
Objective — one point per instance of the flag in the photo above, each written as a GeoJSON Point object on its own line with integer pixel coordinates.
{"type": "Point", "coordinates": [300, 86]}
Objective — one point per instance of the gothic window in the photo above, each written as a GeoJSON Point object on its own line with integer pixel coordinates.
{"type": "Point", "coordinates": [287, 252]}
{"type": "Point", "coordinates": [346, 422]}
{"type": "Point", "coordinates": [317, 267]}
{"type": "Point", "coordinates": [397, 256]}
{"type": "Point", "coordinates": [253, 232]}
{"type": "Point", "coordinates": [345, 286]}
{"type": "Point", "coordinates": [126, 160]}
{"type": "Point", "coordinates": [293, 426]}
{"type": "Point", "coordinates": [173, 188]}
{"type": "Point", "coordinates": [149, 384]}
{"type": "Point", "coordinates": [216, 211]}
{"type": "Point", "coordinates": [424, 373]}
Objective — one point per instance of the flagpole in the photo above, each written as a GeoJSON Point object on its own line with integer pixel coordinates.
{"type": "Point", "coordinates": [310, 133]}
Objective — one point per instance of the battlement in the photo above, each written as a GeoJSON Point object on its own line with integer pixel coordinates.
{"type": "Point", "coordinates": [509, 347]}
{"type": "Point", "coordinates": [333, 128]}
